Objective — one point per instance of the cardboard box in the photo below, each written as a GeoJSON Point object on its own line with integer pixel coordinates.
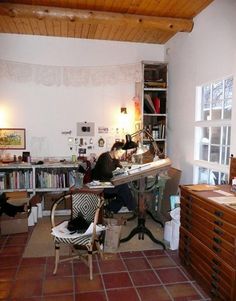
{"type": "Point", "coordinates": [49, 199]}
{"type": "Point", "coordinates": [16, 224]}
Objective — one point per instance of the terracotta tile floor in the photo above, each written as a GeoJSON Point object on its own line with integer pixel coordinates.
{"type": "Point", "coordinates": [153, 275]}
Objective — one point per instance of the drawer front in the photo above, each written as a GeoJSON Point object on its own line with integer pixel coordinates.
{"type": "Point", "coordinates": [192, 208]}
{"type": "Point", "coordinates": [217, 278]}
{"type": "Point", "coordinates": [190, 217]}
{"type": "Point", "coordinates": [219, 211]}
{"type": "Point", "coordinates": [216, 292]}
{"type": "Point", "coordinates": [206, 235]}
{"type": "Point", "coordinates": [188, 242]}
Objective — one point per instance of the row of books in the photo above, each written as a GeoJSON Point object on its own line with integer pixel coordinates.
{"type": "Point", "coordinates": [157, 131]}
{"type": "Point", "coordinates": [55, 180]}
{"type": "Point", "coordinates": [152, 106]}
{"type": "Point", "coordinates": [22, 179]}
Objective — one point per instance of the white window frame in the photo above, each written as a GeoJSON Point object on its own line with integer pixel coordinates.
{"type": "Point", "coordinates": [207, 123]}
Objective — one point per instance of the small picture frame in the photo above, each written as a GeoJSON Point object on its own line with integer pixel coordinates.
{"type": "Point", "coordinates": [12, 138]}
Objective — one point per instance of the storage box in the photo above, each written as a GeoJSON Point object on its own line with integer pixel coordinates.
{"type": "Point", "coordinates": [16, 224]}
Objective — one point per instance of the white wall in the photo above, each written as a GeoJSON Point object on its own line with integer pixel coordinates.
{"type": "Point", "coordinates": [46, 111]}
{"type": "Point", "coordinates": [206, 54]}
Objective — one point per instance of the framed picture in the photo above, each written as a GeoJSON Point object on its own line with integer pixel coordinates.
{"type": "Point", "coordinates": [13, 138]}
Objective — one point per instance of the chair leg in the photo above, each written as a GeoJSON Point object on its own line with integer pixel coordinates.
{"type": "Point", "coordinates": [57, 257]}
{"type": "Point", "coordinates": [90, 264]}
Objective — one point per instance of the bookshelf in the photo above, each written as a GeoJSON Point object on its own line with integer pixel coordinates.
{"type": "Point", "coordinates": [153, 97]}
{"type": "Point", "coordinates": [36, 178]}
{"type": "Point", "coordinates": [45, 180]}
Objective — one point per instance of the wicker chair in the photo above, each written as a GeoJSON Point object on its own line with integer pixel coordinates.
{"type": "Point", "coordinates": [81, 246]}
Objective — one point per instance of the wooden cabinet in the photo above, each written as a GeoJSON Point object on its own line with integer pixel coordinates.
{"type": "Point", "coordinates": [154, 102]}
{"type": "Point", "coordinates": [207, 245]}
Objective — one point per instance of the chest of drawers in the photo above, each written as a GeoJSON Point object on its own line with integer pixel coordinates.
{"type": "Point", "coordinates": [207, 245]}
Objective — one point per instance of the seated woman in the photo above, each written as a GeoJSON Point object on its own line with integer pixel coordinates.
{"type": "Point", "coordinates": [105, 165]}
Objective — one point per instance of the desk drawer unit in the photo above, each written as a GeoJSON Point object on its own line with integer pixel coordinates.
{"type": "Point", "coordinates": [207, 245]}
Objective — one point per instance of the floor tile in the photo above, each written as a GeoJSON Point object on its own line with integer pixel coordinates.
{"type": "Point", "coordinates": [171, 275]}
{"type": "Point", "coordinates": [111, 265]}
{"type": "Point", "coordinates": [122, 294]}
{"type": "Point", "coordinates": [5, 289]}
{"type": "Point", "coordinates": [183, 292]}
{"type": "Point", "coordinates": [16, 240]}
{"type": "Point", "coordinates": [63, 297]}
{"type": "Point", "coordinates": [134, 264]}
{"type": "Point", "coordinates": [22, 288]}
{"type": "Point", "coordinates": [84, 284]}
{"type": "Point", "coordinates": [161, 262]}
{"type": "Point", "coordinates": [7, 273]}
{"type": "Point", "coordinates": [33, 261]}
{"type": "Point", "coordinates": [156, 252]}
{"type": "Point", "coordinates": [81, 268]}
{"type": "Point", "coordinates": [153, 293]}
{"type": "Point", "coordinates": [12, 250]}
{"type": "Point", "coordinates": [63, 269]}
{"type": "Point", "coordinates": [30, 272]}
{"type": "Point", "coordinates": [9, 261]}
{"type": "Point", "coordinates": [117, 280]}
{"type": "Point", "coordinates": [142, 278]}
{"type": "Point", "coordinates": [90, 296]}
{"type": "Point", "coordinates": [53, 286]}
{"type": "Point", "coordinates": [131, 254]}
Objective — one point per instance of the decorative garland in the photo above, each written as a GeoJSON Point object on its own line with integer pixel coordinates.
{"type": "Point", "coordinates": [68, 75]}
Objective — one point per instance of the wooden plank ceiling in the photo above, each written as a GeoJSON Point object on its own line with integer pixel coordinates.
{"type": "Point", "coordinates": [143, 21]}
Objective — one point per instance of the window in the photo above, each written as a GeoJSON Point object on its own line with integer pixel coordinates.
{"type": "Point", "coordinates": [213, 131]}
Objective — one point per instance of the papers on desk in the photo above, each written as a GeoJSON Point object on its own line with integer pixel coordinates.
{"type": "Point", "coordinates": [99, 184]}
{"type": "Point", "coordinates": [227, 200]}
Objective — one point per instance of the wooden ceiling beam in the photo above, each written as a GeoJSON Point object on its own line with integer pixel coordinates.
{"type": "Point", "coordinates": [95, 17]}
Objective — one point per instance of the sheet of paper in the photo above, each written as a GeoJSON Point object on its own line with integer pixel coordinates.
{"type": "Point", "coordinates": [224, 192]}
{"type": "Point", "coordinates": [201, 187]}
{"type": "Point", "coordinates": [224, 199]}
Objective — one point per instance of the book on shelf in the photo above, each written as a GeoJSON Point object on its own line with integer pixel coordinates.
{"type": "Point", "coordinates": [149, 104]}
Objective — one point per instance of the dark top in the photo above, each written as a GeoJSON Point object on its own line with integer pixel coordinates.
{"type": "Point", "coordinates": [104, 167]}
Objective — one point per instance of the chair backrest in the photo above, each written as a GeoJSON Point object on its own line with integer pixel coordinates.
{"type": "Point", "coordinates": [85, 203]}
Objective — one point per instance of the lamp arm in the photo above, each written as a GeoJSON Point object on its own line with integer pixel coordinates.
{"type": "Point", "coordinates": [155, 146]}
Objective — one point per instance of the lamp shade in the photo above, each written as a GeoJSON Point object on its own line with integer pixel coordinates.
{"type": "Point", "coordinates": [129, 144]}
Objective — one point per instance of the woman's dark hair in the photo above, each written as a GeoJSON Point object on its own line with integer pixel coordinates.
{"type": "Point", "coordinates": [117, 145]}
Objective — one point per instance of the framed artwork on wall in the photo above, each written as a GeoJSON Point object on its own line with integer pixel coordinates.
{"type": "Point", "coordinates": [12, 138]}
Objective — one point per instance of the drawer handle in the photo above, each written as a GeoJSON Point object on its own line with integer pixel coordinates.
{"type": "Point", "coordinates": [188, 227]}
{"type": "Point", "coordinates": [189, 206]}
{"type": "Point", "coordinates": [189, 198]}
{"type": "Point", "coordinates": [218, 231]}
{"type": "Point", "coordinates": [214, 284]}
{"type": "Point", "coordinates": [217, 240]}
{"type": "Point", "coordinates": [214, 276]}
{"type": "Point", "coordinates": [216, 249]}
{"type": "Point", "coordinates": [214, 293]}
{"type": "Point", "coordinates": [215, 261]}
{"type": "Point", "coordinates": [215, 269]}
{"type": "Point", "coordinates": [218, 223]}
{"type": "Point", "coordinates": [219, 213]}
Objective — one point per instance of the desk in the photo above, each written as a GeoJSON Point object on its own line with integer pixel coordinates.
{"type": "Point", "coordinates": [139, 174]}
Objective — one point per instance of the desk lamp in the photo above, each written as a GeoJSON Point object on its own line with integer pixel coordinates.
{"type": "Point", "coordinates": [141, 149]}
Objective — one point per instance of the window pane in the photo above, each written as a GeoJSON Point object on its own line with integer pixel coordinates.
{"type": "Point", "coordinates": [204, 152]}
{"type": "Point", "coordinates": [223, 155]}
{"type": "Point", "coordinates": [217, 91]}
{"type": "Point", "coordinates": [206, 94]}
{"type": "Point", "coordinates": [229, 87]}
{"type": "Point", "coordinates": [229, 134]}
{"type": "Point", "coordinates": [215, 135]}
{"type": "Point", "coordinates": [202, 175]}
{"type": "Point", "coordinates": [227, 109]}
{"type": "Point", "coordinates": [214, 154]}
